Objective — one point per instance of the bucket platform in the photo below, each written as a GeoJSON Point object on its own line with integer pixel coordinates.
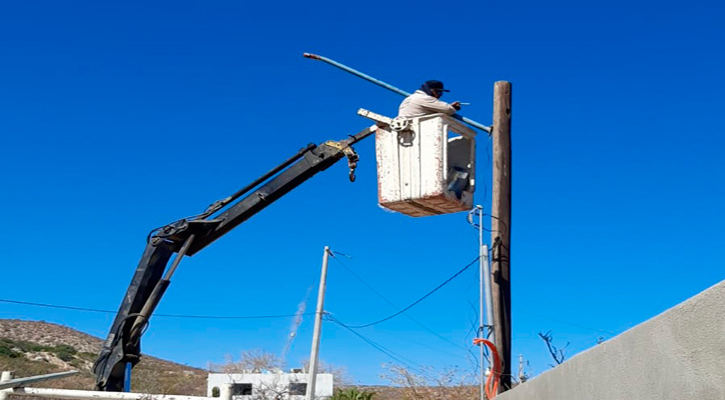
{"type": "Point", "coordinates": [426, 165]}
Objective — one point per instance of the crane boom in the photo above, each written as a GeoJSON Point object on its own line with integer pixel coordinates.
{"type": "Point", "coordinates": [188, 236]}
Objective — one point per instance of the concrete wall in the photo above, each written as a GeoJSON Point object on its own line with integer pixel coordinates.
{"type": "Point", "coordinates": [679, 354]}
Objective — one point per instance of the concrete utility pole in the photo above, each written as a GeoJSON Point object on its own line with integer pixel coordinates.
{"type": "Point", "coordinates": [522, 374]}
{"type": "Point", "coordinates": [314, 355]}
{"type": "Point", "coordinates": [501, 227]}
{"type": "Point", "coordinates": [485, 307]}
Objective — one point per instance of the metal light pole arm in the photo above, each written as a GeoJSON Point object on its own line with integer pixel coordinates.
{"type": "Point", "coordinates": [358, 73]}
{"type": "Point", "coordinates": [392, 88]}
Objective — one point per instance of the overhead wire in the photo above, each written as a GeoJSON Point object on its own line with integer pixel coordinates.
{"type": "Point", "coordinates": [474, 328]}
{"type": "Point", "coordinates": [397, 357]}
{"type": "Point", "coordinates": [74, 308]}
{"type": "Point", "coordinates": [388, 352]}
{"type": "Point", "coordinates": [495, 217]}
{"type": "Point", "coordinates": [471, 355]}
{"type": "Point", "coordinates": [429, 330]}
{"type": "Point", "coordinates": [419, 300]}
{"type": "Point", "coordinates": [28, 303]}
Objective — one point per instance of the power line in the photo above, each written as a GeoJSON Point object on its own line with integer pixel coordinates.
{"type": "Point", "coordinates": [28, 303]}
{"type": "Point", "coordinates": [380, 348]}
{"type": "Point", "coordinates": [419, 300]}
{"type": "Point", "coordinates": [474, 327]}
{"type": "Point", "coordinates": [497, 218]}
{"type": "Point", "coordinates": [73, 308]}
{"type": "Point", "coordinates": [393, 305]}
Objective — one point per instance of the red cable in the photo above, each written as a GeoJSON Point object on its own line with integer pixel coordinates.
{"type": "Point", "coordinates": [491, 388]}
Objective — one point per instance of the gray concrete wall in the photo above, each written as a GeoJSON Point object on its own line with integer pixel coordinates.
{"type": "Point", "coordinates": [679, 354]}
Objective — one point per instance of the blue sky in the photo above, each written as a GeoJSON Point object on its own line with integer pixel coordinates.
{"type": "Point", "coordinates": [118, 118]}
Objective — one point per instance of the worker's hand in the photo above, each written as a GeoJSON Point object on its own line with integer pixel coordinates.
{"type": "Point", "coordinates": [456, 105]}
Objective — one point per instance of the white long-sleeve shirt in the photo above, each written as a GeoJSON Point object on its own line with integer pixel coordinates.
{"type": "Point", "coordinates": [419, 103]}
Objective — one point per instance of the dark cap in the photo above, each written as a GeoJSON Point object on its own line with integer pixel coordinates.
{"type": "Point", "coordinates": [437, 85]}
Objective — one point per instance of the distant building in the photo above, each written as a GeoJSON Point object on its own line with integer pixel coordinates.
{"type": "Point", "coordinates": [269, 386]}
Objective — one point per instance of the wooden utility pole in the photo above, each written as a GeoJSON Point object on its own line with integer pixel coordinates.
{"type": "Point", "coordinates": [501, 227]}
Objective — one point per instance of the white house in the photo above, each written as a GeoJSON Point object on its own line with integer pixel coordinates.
{"type": "Point", "coordinates": [269, 386]}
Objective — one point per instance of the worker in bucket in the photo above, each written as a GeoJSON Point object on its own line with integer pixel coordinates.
{"type": "Point", "coordinates": [425, 101]}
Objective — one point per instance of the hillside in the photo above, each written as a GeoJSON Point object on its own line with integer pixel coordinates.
{"type": "Point", "coordinates": [36, 347]}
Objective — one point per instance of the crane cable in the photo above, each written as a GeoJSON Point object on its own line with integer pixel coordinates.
{"type": "Point", "coordinates": [491, 386]}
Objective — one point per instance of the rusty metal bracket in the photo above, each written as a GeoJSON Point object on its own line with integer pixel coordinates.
{"type": "Point", "coordinates": [352, 156]}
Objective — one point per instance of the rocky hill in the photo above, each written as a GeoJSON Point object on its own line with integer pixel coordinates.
{"type": "Point", "coordinates": [46, 334]}
{"type": "Point", "coordinates": [36, 347]}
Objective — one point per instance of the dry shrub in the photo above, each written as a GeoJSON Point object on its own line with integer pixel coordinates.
{"type": "Point", "coordinates": [427, 383]}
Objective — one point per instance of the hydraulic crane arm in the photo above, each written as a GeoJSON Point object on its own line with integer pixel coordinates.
{"type": "Point", "coordinates": [190, 235]}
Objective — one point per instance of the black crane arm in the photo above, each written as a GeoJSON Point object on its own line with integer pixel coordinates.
{"type": "Point", "coordinates": [190, 235]}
